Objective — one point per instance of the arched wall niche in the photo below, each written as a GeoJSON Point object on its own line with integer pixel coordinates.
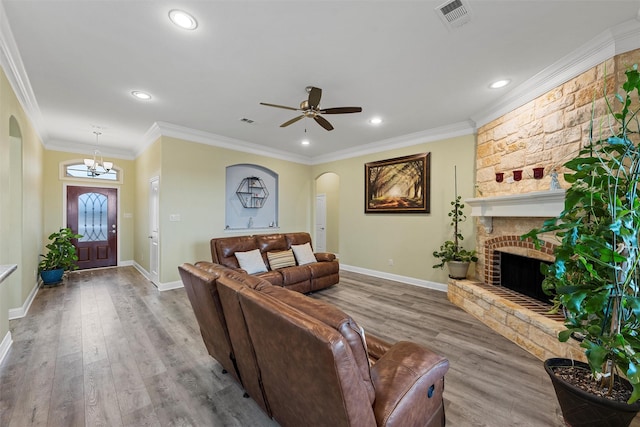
{"type": "Point", "coordinates": [328, 185]}
{"type": "Point", "coordinates": [251, 197]}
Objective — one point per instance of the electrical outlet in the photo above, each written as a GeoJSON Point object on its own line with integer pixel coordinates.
{"type": "Point", "coordinates": [174, 217]}
{"type": "Point", "coordinates": [390, 261]}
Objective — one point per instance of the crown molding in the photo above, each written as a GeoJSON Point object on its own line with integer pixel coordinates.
{"type": "Point", "coordinates": [12, 64]}
{"type": "Point", "coordinates": [202, 137]}
{"type": "Point", "coordinates": [612, 42]}
{"type": "Point", "coordinates": [82, 148]}
{"type": "Point", "coordinates": [436, 134]}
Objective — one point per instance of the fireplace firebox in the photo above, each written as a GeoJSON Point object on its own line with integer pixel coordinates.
{"type": "Point", "coordinates": [522, 274]}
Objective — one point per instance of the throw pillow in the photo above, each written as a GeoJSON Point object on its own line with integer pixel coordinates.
{"type": "Point", "coordinates": [251, 261]}
{"type": "Point", "coordinates": [281, 259]}
{"type": "Point", "coordinates": [304, 254]}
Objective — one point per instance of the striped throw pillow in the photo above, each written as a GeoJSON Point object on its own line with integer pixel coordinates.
{"type": "Point", "coordinates": [281, 259]}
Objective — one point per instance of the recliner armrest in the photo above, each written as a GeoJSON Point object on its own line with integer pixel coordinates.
{"type": "Point", "coordinates": [409, 382]}
{"type": "Point", "coordinates": [376, 347]}
{"type": "Point", "coordinates": [325, 256]}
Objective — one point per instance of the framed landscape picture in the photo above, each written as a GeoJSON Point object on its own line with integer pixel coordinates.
{"type": "Point", "coordinates": [399, 185]}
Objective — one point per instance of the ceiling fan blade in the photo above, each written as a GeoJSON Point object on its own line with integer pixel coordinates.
{"type": "Point", "coordinates": [323, 122]}
{"type": "Point", "coordinates": [279, 106]}
{"type": "Point", "coordinates": [341, 110]}
{"type": "Point", "coordinates": [314, 97]}
{"type": "Point", "coordinates": [295, 119]}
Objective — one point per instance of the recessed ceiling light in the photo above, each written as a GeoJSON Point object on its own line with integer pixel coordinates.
{"type": "Point", "coordinates": [141, 95]}
{"type": "Point", "coordinates": [305, 142]}
{"type": "Point", "coordinates": [375, 120]}
{"type": "Point", "coordinates": [498, 84]}
{"type": "Point", "coordinates": [182, 19]}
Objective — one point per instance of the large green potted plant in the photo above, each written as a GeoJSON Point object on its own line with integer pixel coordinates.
{"type": "Point", "coordinates": [595, 276]}
{"type": "Point", "coordinates": [60, 257]}
{"type": "Point", "coordinates": [451, 252]}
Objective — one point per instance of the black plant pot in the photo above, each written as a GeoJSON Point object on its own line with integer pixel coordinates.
{"type": "Point", "coordinates": [583, 409]}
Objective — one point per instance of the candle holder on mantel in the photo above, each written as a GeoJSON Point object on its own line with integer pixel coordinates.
{"type": "Point", "coordinates": [499, 176]}
{"type": "Point", "coordinates": [538, 173]}
{"type": "Point", "coordinates": [517, 175]}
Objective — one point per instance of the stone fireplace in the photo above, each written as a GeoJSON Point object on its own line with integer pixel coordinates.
{"type": "Point", "coordinates": [523, 319]}
{"type": "Point", "coordinates": [519, 157]}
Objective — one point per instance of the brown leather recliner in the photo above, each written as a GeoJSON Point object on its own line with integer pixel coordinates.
{"type": "Point", "coordinates": [201, 288]}
{"type": "Point", "coordinates": [305, 362]}
{"type": "Point", "coordinates": [314, 368]}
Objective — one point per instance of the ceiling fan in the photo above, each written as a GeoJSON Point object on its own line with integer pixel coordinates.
{"type": "Point", "coordinates": [311, 108]}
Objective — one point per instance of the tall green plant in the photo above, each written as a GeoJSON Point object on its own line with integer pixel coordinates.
{"type": "Point", "coordinates": [61, 252]}
{"type": "Point", "coordinates": [595, 276]}
{"type": "Point", "coordinates": [451, 250]}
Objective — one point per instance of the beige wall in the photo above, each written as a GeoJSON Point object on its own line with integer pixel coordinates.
{"type": "Point", "coordinates": [147, 167]}
{"type": "Point", "coordinates": [20, 214]}
{"type": "Point", "coordinates": [54, 197]}
{"type": "Point", "coordinates": [369, 240]}
{"type": "Point", "coordinates": [192, 185]}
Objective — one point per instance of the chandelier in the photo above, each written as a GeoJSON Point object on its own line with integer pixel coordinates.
{"type": "Point", "coordinates": [95, 167]}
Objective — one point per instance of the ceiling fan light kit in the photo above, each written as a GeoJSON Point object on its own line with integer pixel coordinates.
{"type": "Point", "coordinates": [311, 108]}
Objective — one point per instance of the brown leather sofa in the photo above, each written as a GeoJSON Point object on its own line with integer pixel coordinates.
{"type": "Point", "coordinates": [305, 362]}
{"type": "Point", "coordinates": [301, 278]}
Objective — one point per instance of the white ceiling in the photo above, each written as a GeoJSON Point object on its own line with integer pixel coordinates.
{"type": "Point", "coordinates": [395, 59]}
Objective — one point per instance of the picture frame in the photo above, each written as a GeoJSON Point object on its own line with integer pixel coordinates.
{"type": "Point", "coordinates": [398, 185]}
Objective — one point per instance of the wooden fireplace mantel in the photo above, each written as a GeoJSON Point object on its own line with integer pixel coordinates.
{"type": "Point", "coordinates": [535, 204]}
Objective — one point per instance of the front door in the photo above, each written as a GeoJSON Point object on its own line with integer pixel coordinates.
{"type": "Point", "coordinates": [93, 212]}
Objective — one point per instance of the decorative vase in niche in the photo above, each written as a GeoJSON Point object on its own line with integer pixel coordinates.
{"type": "Point", "coordinates": [517, 175]}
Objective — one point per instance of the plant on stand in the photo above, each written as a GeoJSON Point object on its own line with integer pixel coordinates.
{"type": "Point", "coordinates": [60, 257]}
{"type": "Point", "coordinates": [451, 252]}
{"type": "Point", "coordinates": [595, 276]}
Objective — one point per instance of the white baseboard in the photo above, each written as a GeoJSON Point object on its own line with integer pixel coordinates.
{"type": "Point", "coordinates": [5, 345]}
{"type": "Point", "coordinates": [20, 312]}
{"type": "Point", "coordinates": [142, 271]}
{"type": "Point", "coordinates": [161, 286]}
{"type": "Point", "coordinates": [171, 285]}
{"type": "Point", "coordinates": [396, 277]}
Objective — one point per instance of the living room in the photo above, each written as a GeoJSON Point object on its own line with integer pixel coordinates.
{"type": "Point", "coordinates": [192, 166]}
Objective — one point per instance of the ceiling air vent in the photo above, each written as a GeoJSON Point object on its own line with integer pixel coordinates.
{"type": "Point", "coordinates": [454, 13]}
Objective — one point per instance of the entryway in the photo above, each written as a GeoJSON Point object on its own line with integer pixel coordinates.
{"type": "Point", "coordinates": [93, 213]}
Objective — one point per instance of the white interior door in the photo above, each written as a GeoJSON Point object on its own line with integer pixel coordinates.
{"type": "Point", "coordinates": [154, 231]}
{"type": "Point", "coordinates": [321, 223]}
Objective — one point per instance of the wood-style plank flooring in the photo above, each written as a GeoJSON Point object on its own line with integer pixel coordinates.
{"type": "Point", "coordinates": [107, 349]}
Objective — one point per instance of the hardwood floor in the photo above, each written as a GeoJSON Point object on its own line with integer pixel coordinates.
{"type": "Point", "coordinates": [108, 349]}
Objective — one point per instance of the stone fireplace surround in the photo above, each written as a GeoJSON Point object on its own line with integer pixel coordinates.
{"type": "Point", "coordinates": [521, 319]}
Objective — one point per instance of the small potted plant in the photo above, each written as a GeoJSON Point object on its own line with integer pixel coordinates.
{"type": "Point", "coordinates": [595, 278]}
{"type": "Point", "coordinates": [451, 253]}
{"type": "Point", "coordinates": [60, 257]}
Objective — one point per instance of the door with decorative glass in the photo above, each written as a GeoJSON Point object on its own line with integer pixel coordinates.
{"type": "Point", "coordinates": [93, 212]}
